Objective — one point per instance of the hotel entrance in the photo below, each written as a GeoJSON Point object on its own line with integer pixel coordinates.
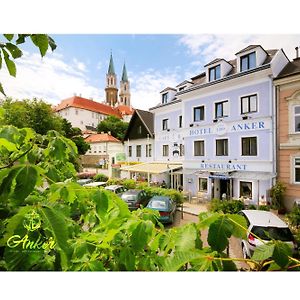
{"type": "Point", "coordinates": [221, 186]}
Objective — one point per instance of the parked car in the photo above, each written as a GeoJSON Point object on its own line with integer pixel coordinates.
{"type": "Point", "coordinates": [95, 184]}
{"type": "Point", "coordinates": [117, 189]}
{"type": "Point", "coordinates": [135, 198]}
{"type": "Point", "coordinates": [84, 181]}
{"type": "Point", "coordinates": [266, 226]}
{"type": "Point", "coordinates": [165, 206]}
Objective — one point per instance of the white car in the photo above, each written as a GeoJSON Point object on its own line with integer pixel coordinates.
{"type": "Point", "coordinates": [266, 226]}
{"type": "Point", "coordinates": [117, 189]}
{"type": "Point", "coordinates": [96, 184]}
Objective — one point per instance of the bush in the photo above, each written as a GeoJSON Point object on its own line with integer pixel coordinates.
{"type": "Point", "coordinates": [294, 217]}
{"type": "Point", "coordinates": [251, 206]}
{"type": "Point", "coordinates": [129, 183]}
{"type": "Point", "coordinates": [226, 206]}
{"type": "Point", "coordinates": [264, 207]}
{"type": "Point", "coordinates": [114, 181]}
{"type": "Point", "coordinates": [100, 177]}
{"type": "Point", "coordinates": [277, 193]}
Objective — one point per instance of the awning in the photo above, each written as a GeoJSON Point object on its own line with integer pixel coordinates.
{"type": "Point", "coordinates": [152, 167]}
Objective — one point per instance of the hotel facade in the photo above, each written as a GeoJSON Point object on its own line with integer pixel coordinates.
{"type": "Point", "coordinates": [220, 126]}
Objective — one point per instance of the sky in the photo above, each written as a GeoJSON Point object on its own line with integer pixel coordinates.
{"type": "Point", "coordinates": [153, 61]}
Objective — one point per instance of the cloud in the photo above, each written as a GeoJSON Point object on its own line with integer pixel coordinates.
{"type": "Point", "coordinates": [209, 46]}
{"type": "Point", "coordinates": [147, 85]}
{"type": "Point", "coordinates": [49, 78]}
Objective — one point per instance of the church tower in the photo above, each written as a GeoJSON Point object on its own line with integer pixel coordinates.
{"type": "Point", "coordinates": [111, 89]}
{"type": "Point", "coordinates": [124, 88]}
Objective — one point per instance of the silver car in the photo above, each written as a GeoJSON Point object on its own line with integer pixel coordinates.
{"type": "Point", "coordinates": [266, 226]}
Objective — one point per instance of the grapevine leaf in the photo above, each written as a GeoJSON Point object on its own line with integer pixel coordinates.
{"type": "Point", "coordinates": [139, 237]}
{"type": "Point", "coordinates": [207, 218]}
{"type": "Point", "coordinates": [11, 67]}
{"type": "Point", "coordinates": [52, 43]}
{"type": "Point", "coordinates": [41, 41]}
{"type": "Point", "coordinates": [1, 87]}
{"type": "Point", "coordinates": [9, 37]}
{"type": "Point", "coordinates": [55, 222]}
{"type": "Point", "coordinates": [21, 38]}
{"type": "Point", "coordinates": [263, 252]}
{"type": "Point", "coordinates": [101, 200]}
{"type": "Point", "coordinates": [281, 253]}
{"type": "Point", "coordinates": [219, 232]}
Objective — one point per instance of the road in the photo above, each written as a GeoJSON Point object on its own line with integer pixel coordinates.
{"type": "Point", "coordinates": [235, 250]}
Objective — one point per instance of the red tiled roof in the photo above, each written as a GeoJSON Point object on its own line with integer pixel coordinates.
{"type": "Point", "coordinates": [87, 104]}
{"type": "Point", "coordinates": [125, 110]}
{"type": "Point", "coordinates": [101, 137]}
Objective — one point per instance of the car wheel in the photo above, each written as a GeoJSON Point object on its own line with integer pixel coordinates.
{"type": "Point", "coordinates": [245, 254]}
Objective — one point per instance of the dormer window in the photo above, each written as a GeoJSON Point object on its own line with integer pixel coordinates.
{"type": "Point", "coordinates": [164, 98]}
{"type": "Point", "coordinates": [182, 88]}
{"type": "Point", "coordinates": [215, 73]}
{"type": "Point", "coordinates": [248, 61]}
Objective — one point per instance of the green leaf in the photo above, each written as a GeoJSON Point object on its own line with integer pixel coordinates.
{"type": "Point", "coordinates": [25, 182]}
{"type": "Point", "coordinates": [14, 50]}
{"type": "Point", "coordinates": [127, 258]}
{"type": "Point", "coordinates": [10, 64]}
{"type": "Point", "coordinates": [240, 226]}
{"type": "Point", "coordinates": [52, 43]}
{"type": "Point", "coordinates": [6, 184]}
{"type": "Point", "coordinates": [179, 259]}
{"type": "Point", "coordinates": [1, 87]}
{"type": "Point", "coordinates": [55, 222]}
{"type": "Point", "coordinates": [263, 252]}
{"type": "Point", "coordinates": [207, 218]}
{"type": "Point", "coordinates": [21, 38]}
{"type": "Point", "coordinates": [8, 145]}
{"type": "Point", "coordinates": [9, 37]}
{"type": "Point", "coordinates": [140, 236]}
{"type": "Point", "coordinates": [219, 232]}
{"type": "Point", "coordinates": [0, 59]}
{"type": "Point", "coordinates": [101, 200]}
{"type": "Point", "coordinates": [281, 253]}
{"type": "Point", "coordinates": [185, 238]}
{"type": "Point", "coordinates": [41, 41]}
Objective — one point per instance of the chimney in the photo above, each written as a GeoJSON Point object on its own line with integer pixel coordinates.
{"type": "Point", "coordinates": [74, 94]}
{"type": "Point", "coordinates": [297, 52]}
{"type": "Point", "coordinates": [91, 98]}
{"type": "Point", "coordinates": [109, 133]}
{"type": "Point", "coordinates": [102, 132]}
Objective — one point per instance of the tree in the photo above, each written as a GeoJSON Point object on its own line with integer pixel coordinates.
{"type": "Point", "coordinates": [116, 126]}
{"type": "Point", "coordinates": [35, 114]}
{"type": "Point", "coordinates": [9, 49]}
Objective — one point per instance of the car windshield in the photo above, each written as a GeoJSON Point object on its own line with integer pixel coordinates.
{"type": "Point", "coordinates": [158, 204]}
{"type": "Point", "coordinates": [129, 197]}
{"type": "Point", "coordinates": [275, 233]}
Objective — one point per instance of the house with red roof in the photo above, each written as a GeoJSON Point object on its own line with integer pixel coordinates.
{"type": "Point", "coordinates": [86, 114]}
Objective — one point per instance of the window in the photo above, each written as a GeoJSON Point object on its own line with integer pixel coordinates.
{"type": "Point", "coordinates": [181, 150]}
{"type": "Point", "coordinates": [198, 148]}
{"type": "Point", "coordinates": [182, 88]}
{"type": "Point", "coordinates": [249, 146]}
{"type": "Point", "coordinates": [165, 124]}
{"type": "Point", "coordinates": [76, 111]}
{"type": "Point", "coordinates": [222, 147]}
{"type": "Point", "coordinates": [297, 170]}
{"type": "Point", "coordinates": [180, 122]}
{"type": "Point", "coordinates": [297, 118]}
{"type": "Point", "coordinates": [202, 184]}
{"type": "Point", "coordinates": [246, 189]}
{"type": "Point", "coordinates": [138, 150]}
{"type": "Point", "coordinates": [139, 129]}
{"type": "Point", "coordinates": [164, 98]}
{"type": "Point", "coordinates": [148, 150]}
{"type": "Point", "coordinates": [165, 150]}
{"type": "Point", "coordinates": [215, 73]}
{"type": "Point", "coordinates": [222, 109]}
{"type": "Point", "coordinates": [198, 113]}
{"type": "Point", "coordinates": [92, 115]}
{"type": "Point", "coordinates": [129, 151]}
{"type": "Point", "coordinates": [248, 61]}
{"type": "Point", "coordinates": [249, 104]}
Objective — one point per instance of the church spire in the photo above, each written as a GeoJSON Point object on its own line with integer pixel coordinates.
{"type": "Point", "coordinates": [124, 73]}
{"type": "Point", "coordinates": [111, 68]}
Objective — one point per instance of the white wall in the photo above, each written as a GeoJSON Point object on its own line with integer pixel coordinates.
{"type": "Point", "coordinates": [278, 62]}
{"type": "Point", "coordinates": [143, 143]}
{"type": "Point", "coordinates": [82, 118]}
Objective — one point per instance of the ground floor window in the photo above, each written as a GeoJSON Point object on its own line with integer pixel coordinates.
{"type": "Point", "coordinates": [165, 150]}
{"type": "Point", "coordinates": [202, 184]}
{"type": "Point", "coordinates": [297, 170]}
{"type": "Point", "coordinates": [246, 189]}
